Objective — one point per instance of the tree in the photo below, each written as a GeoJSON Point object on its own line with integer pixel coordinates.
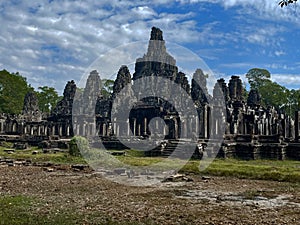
{"type": "Point", "coordinates": [293, 101]}
{"type": "Point", "coordinates": [107, 87]}
{"type": "Point", "coordinates": [13, 88]}
{"type": "Point", "coordinates": [79, 146]}
{"type": "Point", "coordinates": [48, 98]}
{"type": "Point", "coordinates": [273, 94]}
{"type": "Point", "coordinates": [256, 77]}
{"type": "Point", "coordinates": [286, 2]}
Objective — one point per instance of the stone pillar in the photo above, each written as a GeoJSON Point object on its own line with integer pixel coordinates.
{"type": "Point", "coordinates": [93, 129]}
{"type": "Point", "coordinates": [190, 134]}
{"type": "Point", "coordinates": [114, 125]}
{"type": "Point", "coordinates": [175, 128]}
{"type": "Point", "coordinates": [128, 128]}
{"type": "Point", "coordinates": [297, 125]}
{"type": "Point", "coordinates": [134, 127]}
{"type": "Point", "coordinates": [139, 129]}
{"type": "Point", "coordinates": [77, 129]}
{"type": "Point", "coordinates": [68, 130]}
{"type": "Point", "coordinates": [60, 130]}
{"type": "Point", "coordinates": [83, 129]}
{"type": "Point", "coordinates": [103, 130]}
{"type": "Point", "coordinates": [206, 121]}
{"type": "Point", "coordinates": [145, 126]}
{"type": "Point", "coordinates": [197, 126]}
{"type": "Point", "coordinates": [184, 126]}
{"type": "Point", "coordinates": [38, 130]}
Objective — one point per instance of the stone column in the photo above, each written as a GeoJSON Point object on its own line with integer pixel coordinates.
{"type": "Point", "coordinates": [83, 129]}
{"type": "Point", "coordinates": [114, 125]}
{"type": "Point", "coordinates": [117, 130]}
{"type": "Point", "coordinates": [297, 125]}
{"type": "Point", "coordinates": [103, 130]}
{"type": "Point", "coordinates": [184, 126]}
{"type": "Point", "coordinates": [139, 129]}
{"type": "Point", "coordinates": [68, 130]}
{"type": "Point", "coordinates": [60, 130]}
{"type": "Point", "coordinates": [145, 125]}
{"type": "Point", "coordinates": [166, 129]}
{"type": "Point", "coordinates": [93, 129]}
{"type": "Point", "coordinates": [77, 129]}
{"type": "Point", "coordinates": [128, 128]}
{"type": "Point", "coordinates": [134, 127]}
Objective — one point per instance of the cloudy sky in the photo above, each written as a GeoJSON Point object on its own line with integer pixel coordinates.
{"type": "Point", "coordinates": [53, 41]}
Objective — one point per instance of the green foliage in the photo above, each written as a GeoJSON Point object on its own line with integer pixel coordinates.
{"type": "Point", "coordinates": [273, 94]}
{"type": "Point", "coordinates": [293, 101]}
{"type": "Point", "coordinates": [256, 77]}
{"type": "Point", "coordinates": [107, 87]}
{"type": "Point", "coordinates": [254, 169]}
{"type": "Point", "coordinates": [286, 2]}
{"type": "Point", "coordinates": [78, 145]}
{"type": "Point", "coordinates": [48, 98]}
{"type": "Point", "coordinates": [13, 88]}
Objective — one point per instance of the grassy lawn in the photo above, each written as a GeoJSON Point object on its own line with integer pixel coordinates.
{"type": "Point", "coordinates": [59, 157]}
{"type": "Point", "coordinates": [23, 210]}
{"type": "Point", "coordinates": [254, 169]}
{"type": "Point", "coordinates": [277, 170]}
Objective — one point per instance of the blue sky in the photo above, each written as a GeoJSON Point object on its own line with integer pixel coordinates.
{"type": "Point", "coordinates": [53, 41]}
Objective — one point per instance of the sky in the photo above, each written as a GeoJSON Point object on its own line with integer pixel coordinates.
{"type": "Point", "coordinates": [53, 41]}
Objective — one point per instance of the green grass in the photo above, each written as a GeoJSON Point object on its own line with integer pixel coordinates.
{"type": "Point", "coordinates": [24, 210]}
{"type": "Point", "coordinates": [59, 157]}
{"type": "Point", "coordinates": [256, 169]}
{"type": "Point", "coordinates": [276, 170]}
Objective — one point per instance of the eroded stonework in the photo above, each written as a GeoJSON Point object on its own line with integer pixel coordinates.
{"type": "Point", "coordinates": [248, 129]}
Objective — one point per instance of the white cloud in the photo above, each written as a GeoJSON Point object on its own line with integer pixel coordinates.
{"type": "Point", "coordinates": [279, 53]}
{"type": "Point", "coordinates": [39, 37]}
{"type": "Point", "coordinates": [287, 79]}
{"type": "Point", "coordinates": [51, 42]}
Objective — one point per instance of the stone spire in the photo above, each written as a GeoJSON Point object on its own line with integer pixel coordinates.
{"type": "Point", "coordinates": [123, 79]}
{"type": "Point", "coordinates": [221, 90]}
{"type": "Point", "coordinates": [64, 106]}
{"type": "Point", "coordinates": [156, 34]}
{"type": "Point", "coordinates": [31, 103]}
{"type": "Point", "coordinates": [254, 98]}
{"type": "Point", "coordinates": [236, 89]}
{"type": "Point", "coordinates": [157, 61]}
{"type": "Point", "coordinates": [91, 92]}
{"type": "Point", "coordinates": [199, 90]}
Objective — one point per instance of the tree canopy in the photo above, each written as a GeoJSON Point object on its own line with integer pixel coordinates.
{"type": "Point", "coordinates": [48, 98]}
{"type": "Point", "coordinates": [257, 77]}
{"type": "Point", "coordinates": [286, 2]}
{"type": "Point", "coordinates": [273, 94]}
{"type": "Point", "coordinates": [107, 87]}
{"type": "Point", "coordinates": [13, 88]}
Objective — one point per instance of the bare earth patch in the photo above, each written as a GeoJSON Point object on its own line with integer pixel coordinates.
{"type": "Point", "coordinates": [87, 198]}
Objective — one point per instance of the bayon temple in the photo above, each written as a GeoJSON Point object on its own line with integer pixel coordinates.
{"type": "Point", "coordinates": [246, 129]}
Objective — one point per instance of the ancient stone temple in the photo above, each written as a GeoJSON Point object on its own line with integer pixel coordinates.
{"type": "Point", "coordinates": [135, 112]}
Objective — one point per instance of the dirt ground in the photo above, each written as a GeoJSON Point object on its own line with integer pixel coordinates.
{"type": "Point", "coordinates": [205, 200]}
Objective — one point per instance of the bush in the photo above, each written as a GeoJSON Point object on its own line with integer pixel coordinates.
{"type": "Point", "coordinates": [78, 145]}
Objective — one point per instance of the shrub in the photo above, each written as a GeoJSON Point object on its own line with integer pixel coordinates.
{"type": "Point", "coordinates": [78, 146]}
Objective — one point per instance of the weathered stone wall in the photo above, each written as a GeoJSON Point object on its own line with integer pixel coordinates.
{"type": "Point", "coordinates": [250, 131]}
